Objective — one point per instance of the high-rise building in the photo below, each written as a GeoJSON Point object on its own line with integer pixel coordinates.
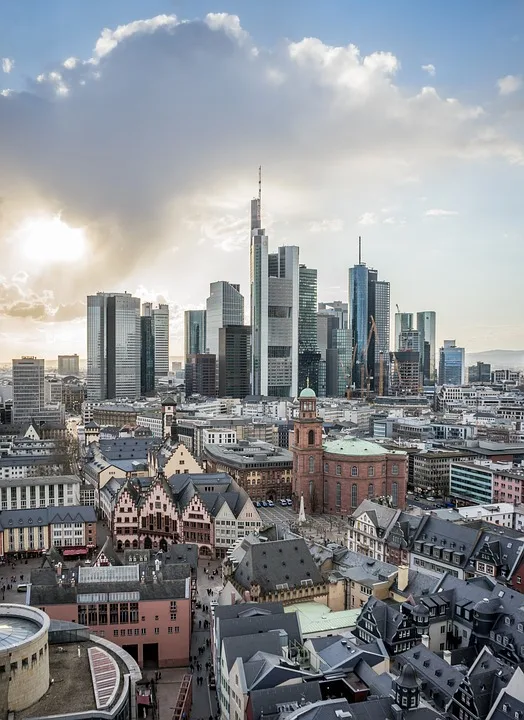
{"type": "Point", "coordinates": [147, 356]}
{"type": "Point", "coordinates": [452, 364]}
{"type": "Point", "coordinates": [308, 353]}
{"type": "Point", "coordinates": [403, 322]}
{"type": "Point", "coordinates": [405, 372]}
{"type": "Point", "coordinates": [234, 361]}
{"type": "Point", "coordinates": [274, 313]}
{"type": "Point", "coordinates": [160, 329]}
{"type": "Point", "coordinates": [200, 375]}
{"type": "Point", "coordinates": [479, 373]}
{"type": "Point", "coordinates": [68, 365]}
{"type": "Point", "coordinates": [369, 325]}
{"type": "Point", "coordinates": [337, 308]}
{"type": "Point", "coordinates": [194, 332]}
{"type": "Point", "coordinates": [113, 346]}
{"type": "Point", "coordinates": [409, 340]}
{"type": "Point", "coordinates": [28, 388]}
{"type": "Point", "coordinates": [224, 306]}
{"type": "Point", "coordinates": [427, 327]}
{"type": "Point", "coordinates": [327, 322]}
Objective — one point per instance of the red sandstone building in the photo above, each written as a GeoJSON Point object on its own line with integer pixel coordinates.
{"type": "Point", "coordinates": [334, 477]}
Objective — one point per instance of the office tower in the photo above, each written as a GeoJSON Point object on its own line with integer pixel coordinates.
{"type": "Point", "coordinates": [308, 354]}
{"type": "Point", "coordinates": [274, 313]}
{"type": "Point", "coordinates": [479, 373]}
{"type": "Point", "coordinates": [369, 324]}
{"type": "Point", "coordinates": [327, 322]}
{"type": "Point", "coordinates": [452, 364]}
{"type": "Point", "coordinates": [427, 327]}
{"type": "Point", "coordinates": [409, 340]}
{"type": "Point", "coordinates": [403, 322]}
{"type": "Point", "coordinates": [194, 332]}
{"type": "Point", "coordinates": [405, 372]}
{"type": "Point", "coordinates": [147, 356]}
{"type": "Point", "coordinates": [234, 361]}
{"type": "Point", "coordinates": [200, 375]}
{"type": "Point", "coordinates": [113, 346]}
{"type": "Point", "coordinates": [68, 365]}
{"type": "Point", "coordinates": [160, 330]}
{"type": "Point", "coordinates": [337, 308]}
{"type": "Point", "coordinates": [224, 306]}
{"type": "Point", "coordinates": [28, 388]}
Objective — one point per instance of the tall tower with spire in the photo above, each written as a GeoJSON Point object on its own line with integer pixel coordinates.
{"type": "Point", "coordinates": [308, 454]}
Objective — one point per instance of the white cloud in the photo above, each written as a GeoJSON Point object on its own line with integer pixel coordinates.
{"type": "Point", "coordinates": [368, 218]}
{"type": "Point", "coordinates": [70, 63]}
{"type": "Point", "coordinates": [109, 39]}
{"type": "Point", "coordinates": [319, 226]}
{"type": "Point", "coordinates": [430, 69]}
{"type": "Point", "coordinates": [7, 64]}
{"type": "Point", "coordinates": [439, 212]}
{"type": "Point", "coordinates": [509, 84]}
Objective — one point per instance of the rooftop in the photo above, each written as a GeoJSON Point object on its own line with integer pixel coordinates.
{"type": "Point", "coordinates": [15, 630]}
{"type": "Point", "coordinates": [357, 447]}
{"type": "Point", "coordinates": [317, 617]}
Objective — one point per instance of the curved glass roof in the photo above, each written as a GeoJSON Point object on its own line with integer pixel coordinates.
{"type": "Point", "coordinates": [15, 631]}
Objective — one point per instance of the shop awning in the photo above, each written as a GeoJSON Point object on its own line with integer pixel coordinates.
{"type": "Point", "coordinates": [74, 551]}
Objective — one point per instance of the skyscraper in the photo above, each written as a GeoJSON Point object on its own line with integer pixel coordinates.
{"type": "Point", "coordinates": [113, 346]}
{"type": "Point", "coordinates": [274, 313]}
{"type": "Point", "coordinates": [308, 353]}
{"type": "Point", "coordinates": [337, 308]}
{"type": "Point", "coordinates": [224, 306]}
{"type": "Point", "coordinates": [452, 365]}
{"type": "Point", "coordinates": [194, 332]}
{"type": "Point", "coordinates": [369, 325]}
{"type": "Point", "coordinates": [426, 325]}
{"type": "Point", "coordinates": [28, 388]}
{"type": "Point", "coordinates": [327, 322]}
{"type": "Point", "coordinates": [68, 365]}
{"type": "Point", "coordinates": [403, 322]}
{"type": "Point", "coordinates": [234, 361]}
{"type": "Point", "coordinates": [161, 338]}
{"type": "Point", "coordinates": [147, 355]}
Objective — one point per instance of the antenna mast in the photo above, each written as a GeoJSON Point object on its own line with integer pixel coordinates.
{"type": "Point", "coordinates": [259, 195]}
{"type": "Point", "coordinates": [359, 250]}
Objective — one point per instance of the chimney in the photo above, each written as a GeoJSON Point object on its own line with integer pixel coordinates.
{"type": "Point", "coordinates": [425, 640]}
{"type": "Point", "coordinates": [447, 656]}
{"type": "Point", "coordinates": [402, 577]}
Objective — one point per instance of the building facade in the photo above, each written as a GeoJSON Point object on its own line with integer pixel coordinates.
{"type": "Point", "coordinates": [113, 346]}
{"type": "Point", "coordinates": [147, 355]}
{"type": "Point", "coordinates": [194, 332]}
{"type": "Point", "coordinates": [452, 368]}
{"type": "Point", "coordinates": [308, 354]}
{"type": "Point", "coordinates": [28, 388]}
{"type": "Point", "coordinates": [427, 327]}
{"type": "Point", "coordinates": [68, 365]}
{"type": "Point", "coordinates": [200, 375]}
{"type": "Point", "coordinates": [234, 361]}
{"type": "Point", "coordinates": [336, 476]}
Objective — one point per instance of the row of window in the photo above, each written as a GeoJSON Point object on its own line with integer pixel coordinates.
{"type": "Point", "coordinates": [140, 631]}
{"type": "Point", "coordinates": [25, 661]}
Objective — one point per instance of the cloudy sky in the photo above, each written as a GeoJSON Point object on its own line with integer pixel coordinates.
{"type": "Point", "coordinates": [131, 132]}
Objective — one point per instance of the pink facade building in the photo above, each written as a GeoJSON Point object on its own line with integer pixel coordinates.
{"type": "Point", "coordinates": [508, 486]}
{"type": "Point", "coordinates": [144, 608]}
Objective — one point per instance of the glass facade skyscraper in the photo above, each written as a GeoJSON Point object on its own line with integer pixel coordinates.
{"type": "Point", "coordinates": [452, 365]}
{"type": "Point", "coordinates": [224, 306]}
{"type": "Point", "coordinates": [308, 354]}
{"type": "Point", "coordinates": [147, 361]}
{"type": "Point", "coordinates": [234, 342]}
{"type": "Point", "coordinates": [113, 346]}
{"type": "Point", "coordinates": [369, 301]}
{"type": "Point", "coordinates": [194, 332]}
{"type": "Point", "coordinates": [426, 325]}
{"type": "Point", "coordinates": [403, 322]}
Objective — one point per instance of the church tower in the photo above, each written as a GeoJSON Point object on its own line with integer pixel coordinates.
{"type": "Point", "coordinates": [308, 454]}
{"type": "Point", "coordinates": [168, 416]}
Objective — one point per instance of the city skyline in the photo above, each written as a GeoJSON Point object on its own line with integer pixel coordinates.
{"type": "Point", "coordinates": [418, 147]}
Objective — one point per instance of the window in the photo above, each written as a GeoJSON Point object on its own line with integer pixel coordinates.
{"type": "Point", "coordinates": [311, 464]}
{"type": "Point", "coordinates": [338, 470]}
{"type": "Point", "coordinates": [177, 629]}
{"type": "Point", "coordinates": [25, 662]}
{"type": "Point", "coordinates": [157, 631]}
{"type": "Point", "coordinates": [311, 437]}
{"type": "Point", "coordinates": [354, 471]}
{"type": "Point", "coordinates": [354, 495]}
{"type": "Point", "coordinates": [394, 494]}
{"type": "Point", "coordinates": [394, 469]}
{"type": "Point", "coordinates": [338, 501]}
{"type": "Point", "coordinates": [326, 467]}
{"type": "Point", "coordinates": [371, 490]}
{"type": "Point", "coordinates": [371, 471]}
{"type": "Point", "coordinates": [296, 437]}
{"type": "Point", "coordinates": [170, 630]}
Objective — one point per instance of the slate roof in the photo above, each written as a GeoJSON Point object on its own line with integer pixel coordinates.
{"type": "Point", "coordinates": [40, 517]}
{"type": "Point", "coordinates": [451, 536]}
{"type": "Point", "coordinates": [344, 654]}
{"type": "Point", "coordinates": [268, 702]}
{"type": "Point", "coordinates": [357, 566]}
{"type": "Point", "coordinates": [270, 669]}
{"type": "Point", "coordinates": [434, 672]}
{"type": "Point", "coordinates": [242, 646]}
{"type": "Point", "coordinates": [276, 563]}
{"type": "Point", "coordinates": [381, 515]}
{"type": "Point", "coordinates": [227, 612]}
{"type": "Point", "coordinates": [487, 676]}
{"type": "Point", "coordinates": [125, 448]}
{"type": "Point", "coordinates": [108, 553]}
{"type": "Point", "coordinates": [236, 626]}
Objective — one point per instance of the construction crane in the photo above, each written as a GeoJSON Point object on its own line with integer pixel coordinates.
{"type": "Point", "coordinates": [372, 331]}
{"type": "Point", "coordinates": [349, 389]}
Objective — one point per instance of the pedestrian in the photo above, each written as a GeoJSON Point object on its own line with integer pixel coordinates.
{"type": "Point", "coordinates": [191, 667]}
{"type": "Point", "coordinates": [199, 624]}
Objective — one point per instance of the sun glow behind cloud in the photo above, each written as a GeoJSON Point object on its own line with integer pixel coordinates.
{"type": "Point", "coordinates": [48, 240]}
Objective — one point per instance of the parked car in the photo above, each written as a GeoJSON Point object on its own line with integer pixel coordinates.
{"type": "Point", "coordinates": [283, 502]}
{"type": "Point", "coordinates": [257, 503]}
{"type": "Point", "coordinates": [270, 503]}
{"type": "Point", "coordinates": [289, 501]}
{"type": "Point", "coordinates": [264, 503]}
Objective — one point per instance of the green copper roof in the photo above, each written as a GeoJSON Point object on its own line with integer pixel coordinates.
{"type": "Point", "coordinates": [307, 392]}
{"type": "Point", "coordinates": [356, 446]}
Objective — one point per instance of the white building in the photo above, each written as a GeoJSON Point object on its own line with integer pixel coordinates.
{"type": "Point", "coordinates": [35, 492]}
{"type": "Point", "coordinates": [498, 513]}
{"type": "Point", "coordinates": [219, 436]}
{"type": "Point", "coordinates": [153, 421]}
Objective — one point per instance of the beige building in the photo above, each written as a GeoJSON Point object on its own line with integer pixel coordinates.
{"type": "Point", "coordinates": [431, 470]}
